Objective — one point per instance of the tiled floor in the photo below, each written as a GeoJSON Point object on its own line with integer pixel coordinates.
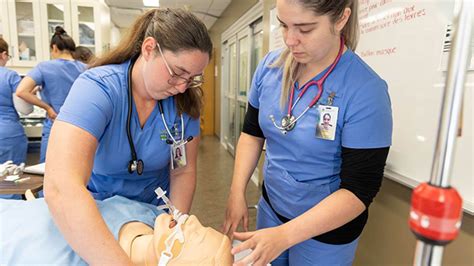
{"type": "Point", "coordinates": [215, 167]}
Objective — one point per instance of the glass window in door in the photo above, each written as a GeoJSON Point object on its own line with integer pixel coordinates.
{"type": "Point", "coordinates": [232, 133]}
{"type": "Point", "coordinates": [257, 52]}
{"type": "Point", "coordinates": [55, 18]}
{"type": "Point", "coordinates": [233, 70]}
{"type": "Point", "coordinates": [26, 31]}
{"type": "Point", "coordinates": [86, 27]}
{"type": "Point", "coordinates": [243, 66]}
{"type": "Point", "coordinates": [242, 111]}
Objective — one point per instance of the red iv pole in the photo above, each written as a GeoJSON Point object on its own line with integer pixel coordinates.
{"type": "Point", "coordinates": [436, 207]}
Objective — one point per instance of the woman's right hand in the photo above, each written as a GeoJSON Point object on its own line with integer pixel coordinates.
{"type": "Point", "coordinates": [51, 113]}
{"type": "Point", "coordinates": [235, 213]}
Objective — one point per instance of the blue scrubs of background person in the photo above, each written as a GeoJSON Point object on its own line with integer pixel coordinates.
{"type": "Point", "coordinates": [90, 153]}
{"type": "Point", "coordinates": [317, 188]}
{"type": "Point", "coordinates": [55, 78]}
{"type": "Point", "coordinates": [13, 141]}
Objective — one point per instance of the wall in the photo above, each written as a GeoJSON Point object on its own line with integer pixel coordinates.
{"type": "Point", "coordinates": [387, 239]}
{"type": "Point", "coordinates": [207, 115]}
{"type": "Point", "coordinates": [231, 14]}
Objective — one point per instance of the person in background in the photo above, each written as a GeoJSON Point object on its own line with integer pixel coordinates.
{"type": "Point", "coordinates": [13, 141]}
{"type": "Point", "coordinates": [83, 54]}
{"type": "Point", "coordinates": [316, 191]}
{"type": "Point", "coordinates": [55, 78]}
{"type": "Point", "coordinates": [120, 126]}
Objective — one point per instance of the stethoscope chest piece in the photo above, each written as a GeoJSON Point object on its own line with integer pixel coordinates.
{"type": "Point", "coordinates": [288, 122]}
{"type": "Point", "coordinates": [134, 165]}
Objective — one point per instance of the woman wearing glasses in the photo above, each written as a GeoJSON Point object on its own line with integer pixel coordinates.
{"type": "Point", "coordinates": [121, 125]}
{"type": "Point", "coordinates": [317, 188]}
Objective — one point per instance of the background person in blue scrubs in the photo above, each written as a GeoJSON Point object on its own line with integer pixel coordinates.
{"type": "Point", "coordinates": [13, 141]}
{"type": "Point", "coordinates": [316, 190]}
{"type": "Point", "coordinates": [89, 151]}
{"type": "Point", "coordinates": [55, 78]}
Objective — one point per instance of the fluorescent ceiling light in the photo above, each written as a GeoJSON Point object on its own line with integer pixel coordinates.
{"type": "Point", "coordinates": [151, 3]}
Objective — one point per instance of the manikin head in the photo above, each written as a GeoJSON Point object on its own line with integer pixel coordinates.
{"type": "Point", "coordinates": [201, 245]}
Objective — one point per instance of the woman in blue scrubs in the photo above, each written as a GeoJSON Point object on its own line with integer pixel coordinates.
{"type": "Point", "coordinates": [55, 78]}
{"type": "Point", "coordinates": [13, 141]}
{"type": "Point", "coordinates": [121, 126]}
{"type": "Point", "coordinates": [317, 187]}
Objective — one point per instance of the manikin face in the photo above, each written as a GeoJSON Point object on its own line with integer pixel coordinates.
{"type": "Point", "coordinates": [165, 73]}
{"type": "Point", "coordinates": [309, 37]}
{"type": "Point", "coordinates": [201, 246]}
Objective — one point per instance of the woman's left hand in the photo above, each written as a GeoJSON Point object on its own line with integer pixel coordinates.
{"type": "Point", "coordinates": [266, 244]}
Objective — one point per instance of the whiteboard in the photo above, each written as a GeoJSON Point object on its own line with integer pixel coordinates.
{"type": "Point", "coordinates": [406, 43]}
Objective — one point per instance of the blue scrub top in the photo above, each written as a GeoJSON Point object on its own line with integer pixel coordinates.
{"type": "Point", "coordinates": [98, 104]}
{"type": "Point", "coordinates": [300, 169]}
{"type": "Point", "coordinates": [56, 78]}
{"type": "Point", "coordinates": [10, 125]}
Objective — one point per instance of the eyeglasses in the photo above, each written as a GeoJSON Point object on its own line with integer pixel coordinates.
{"type": "Point", "coordinates": [8, 56]}
{"type": "Point", "coordinates": [176, 79]}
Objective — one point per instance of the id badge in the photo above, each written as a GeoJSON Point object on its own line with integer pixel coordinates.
{"type": "Point", "coordinates": [327, 123]}
{"type": "Point", "coordinates": [178, 155]}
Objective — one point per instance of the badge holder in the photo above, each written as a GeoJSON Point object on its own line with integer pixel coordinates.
{"type": "Point", "coordinates": [327, 122]}
{"type": "Point", "coordinates": [178, 155]}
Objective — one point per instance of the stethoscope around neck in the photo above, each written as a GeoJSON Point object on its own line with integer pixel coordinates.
{"type": "Point", "coordinates": [136, 164]}
{"type": "Point", "coordinates": [288, 121]}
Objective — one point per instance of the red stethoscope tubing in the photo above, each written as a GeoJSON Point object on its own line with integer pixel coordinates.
{"type": "Point", "coordinates": [319, 83]}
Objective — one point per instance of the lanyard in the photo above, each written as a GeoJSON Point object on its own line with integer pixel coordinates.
{"type": "Point", "coordinates": [319, 83]}
{"type": "Point", "coordinates": [160, 106]}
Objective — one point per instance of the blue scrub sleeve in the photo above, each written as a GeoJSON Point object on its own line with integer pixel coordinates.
{"type": "Point", "coordinates": [36, 74]}
{"type": "Point", "coordinates": [368, 118]}
{"type": "Point", "coordinates": [192, 127]}
{"type": "Point", "coordinates": [258, 80]}
{"type": "Point", "coordinates": [89, 105]}
{"type": "Point", "coordinates": [14, 79]}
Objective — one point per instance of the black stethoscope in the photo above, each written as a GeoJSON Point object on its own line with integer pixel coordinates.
{"type": "Point", "coordinates": [137, 164]}
{"type": "Point", "coordinates": [288, 121]}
